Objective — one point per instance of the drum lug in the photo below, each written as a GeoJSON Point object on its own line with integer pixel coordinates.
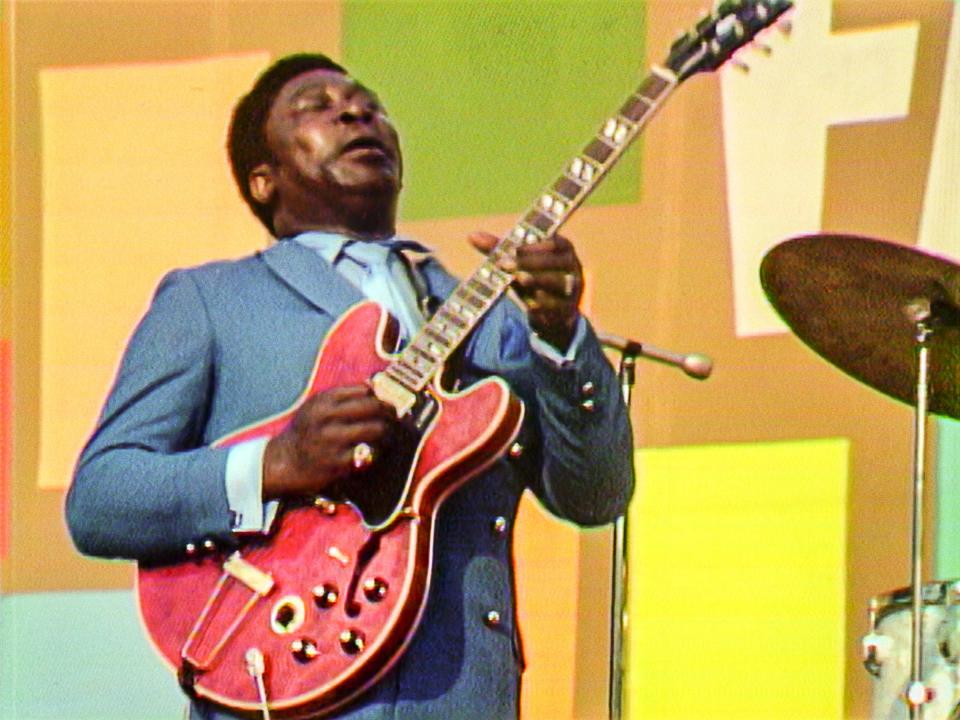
{"type": "Point", "coordinates": [876, 650]}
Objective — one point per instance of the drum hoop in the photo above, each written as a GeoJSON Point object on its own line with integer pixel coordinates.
{"type": "Point", "coordinates": [937, 592]}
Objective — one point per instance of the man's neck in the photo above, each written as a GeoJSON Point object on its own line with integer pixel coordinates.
{"type": "Point", "coordinates": [358, 220]}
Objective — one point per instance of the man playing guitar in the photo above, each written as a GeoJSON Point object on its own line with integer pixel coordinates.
{"type": "Point", "coordinates": [229, 343]}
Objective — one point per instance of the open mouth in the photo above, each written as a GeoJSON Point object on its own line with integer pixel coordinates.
{"type": "Point", "coordinates": [366, 146]}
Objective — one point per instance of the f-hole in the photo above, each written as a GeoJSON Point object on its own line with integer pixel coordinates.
{"type": "Point", "coordinates": [364, 556]}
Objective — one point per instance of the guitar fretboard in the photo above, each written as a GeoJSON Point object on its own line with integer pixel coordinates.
{"type": "Point", "coordinates": [436, 341]}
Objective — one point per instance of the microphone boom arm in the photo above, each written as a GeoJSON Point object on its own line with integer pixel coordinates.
{"type": "Point", "coordinates": [696, 365]}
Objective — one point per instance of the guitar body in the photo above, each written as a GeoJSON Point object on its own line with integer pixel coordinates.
{"type": "Point", "coordinates": [330, 600]}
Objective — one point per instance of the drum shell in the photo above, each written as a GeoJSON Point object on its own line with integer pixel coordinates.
{"type": "Point", "coordinates": [887, 651]}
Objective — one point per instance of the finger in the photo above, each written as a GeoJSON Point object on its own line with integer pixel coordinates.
{"type": "Point", "coordinates": [545, 256]}
{"type": "Point", "coordinates": [544, 305]}
{"type": "Point", "coordinates": [344, 393]}
{"type": "Point", "coordinates": [372, 432]}
{"type": "Point", "coordinates": [343, 405]}
{"type": "Point", "coordinates": [561, 284]}
{"type": "Point", "coordinates": [483, 241]}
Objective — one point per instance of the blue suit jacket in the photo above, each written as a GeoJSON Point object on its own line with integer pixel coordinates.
{"type": "Point", "coordinates": [229, 343]}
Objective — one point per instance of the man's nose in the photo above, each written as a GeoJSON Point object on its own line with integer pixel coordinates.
{"type": "Point", "coordinates": [355, 112]}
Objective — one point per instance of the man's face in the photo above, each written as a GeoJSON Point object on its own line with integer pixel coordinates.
{"type": "Point", "coordinates": [329, 136]}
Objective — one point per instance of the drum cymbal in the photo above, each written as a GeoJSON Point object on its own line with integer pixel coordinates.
{"type": "Point", "coordinates": [852, 300]}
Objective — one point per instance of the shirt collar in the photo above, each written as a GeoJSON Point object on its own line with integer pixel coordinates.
{"type": "Point", "coordinates": [330, 245]}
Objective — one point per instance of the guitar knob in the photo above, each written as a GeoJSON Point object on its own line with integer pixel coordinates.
{"type": "Point", "coordinates": [352, 641]}
{"type": "Point", "coordinates": [304, 650]}
{"type": "Point", "coordinates": [325, 596]}
{"type": "Point", "coordinates": [375, 589]}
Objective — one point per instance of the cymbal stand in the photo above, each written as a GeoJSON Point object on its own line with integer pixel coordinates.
{"type": "Point", "coordinates": [618, 590]}
{"type": "Point", "coordinates": [917, 694]}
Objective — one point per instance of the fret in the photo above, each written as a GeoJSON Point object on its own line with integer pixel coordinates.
{"type": "Point", "coordinates": [418, 363]}
{"type": "Point", "coordinates": [583, 168]}
{"type": "Point", "coordinates": [635, 108]}
{"type": "Point", "coordinates": [429, 350]}
{"type": "Point", "coordinates": [450, 317]}
{"type": "Point", "coordinates": [598, 150]}
{"type": "Point", "coordinates": [465, 311]}
{"type": "Point", "coordinates": [616, 130]}
{"type": "Point", "coordinates": [400, 373]}
{"type": "Point", "coordinates": [557, 207]}
{"type": "Point", "coordinates": [567, 188]}
{"type": "Point", "coordinates": [479, 287]}
{"type": "Point", "coordinates": [446, 330]}
{"type": "Point", "coordinates": [463, 293]}
{"type": "Point", "coordinates": [528, 235]}
{"type": "Point", "coordinates": [438, 338]}
{"type": "Point", "coordinates": [496, 278]}
{"type": "Point", "coordinates": [424, 353]}
{"type": "Point", "coordinates": [540, 221]}
{"type": "Point", "coordinates": [654, 85]}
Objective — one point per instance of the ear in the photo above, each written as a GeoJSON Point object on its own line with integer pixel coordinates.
{"type": "Point", "coordinates": [261, 183]}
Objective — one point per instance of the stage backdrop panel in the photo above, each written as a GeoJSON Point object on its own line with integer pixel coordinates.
{"type": "Point", "coordinates": [172, 203]}
{"type": "Point", "coordinates": [492, 98]}
{"type": "Point", "coordinates": [738, 582]}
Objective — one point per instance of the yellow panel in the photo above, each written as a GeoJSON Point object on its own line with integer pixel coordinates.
{"type": "Point", "coordinates": [135, 182]}
{"type": "Point", "coordinates": [737, 555]}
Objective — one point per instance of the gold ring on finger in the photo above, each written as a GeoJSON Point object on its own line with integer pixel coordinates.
{"type": "Point", "coordinates": [362, 456]}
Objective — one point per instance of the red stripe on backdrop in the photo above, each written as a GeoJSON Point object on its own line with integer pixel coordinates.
{"type": "Point", "coordinates": [6, 420]}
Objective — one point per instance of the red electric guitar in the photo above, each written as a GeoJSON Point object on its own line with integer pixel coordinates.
{"type": "Point", "coordinates": [300, 623]}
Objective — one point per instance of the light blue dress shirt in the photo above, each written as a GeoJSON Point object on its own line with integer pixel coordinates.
{"type": "Point", "coordinates": [376, 269]}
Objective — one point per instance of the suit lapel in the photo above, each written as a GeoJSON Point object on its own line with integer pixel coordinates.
{"type": "Point", "coordinates": [310, 276]}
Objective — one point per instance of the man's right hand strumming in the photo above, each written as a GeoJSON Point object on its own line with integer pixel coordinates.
{"type": "Point", "coordinates": [333, 434]}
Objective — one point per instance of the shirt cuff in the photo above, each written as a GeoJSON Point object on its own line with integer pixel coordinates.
{"type": "Point", "coordinates": [547, 351]}
{"type": "Point", "coordinates": [244, 481]}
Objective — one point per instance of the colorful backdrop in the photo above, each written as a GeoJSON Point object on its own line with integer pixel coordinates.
{"type": "Point", "coordinates": [773, 499]}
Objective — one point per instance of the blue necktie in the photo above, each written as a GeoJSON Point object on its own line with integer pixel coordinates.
{"type": "Point", "coordinates": [379, 271]}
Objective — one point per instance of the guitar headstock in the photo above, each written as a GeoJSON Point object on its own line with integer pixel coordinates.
{"type": "Point", "coordinates": [714, 40]}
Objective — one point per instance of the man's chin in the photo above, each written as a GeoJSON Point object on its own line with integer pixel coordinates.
{"type": "Point", "coordinates": [375, 187]}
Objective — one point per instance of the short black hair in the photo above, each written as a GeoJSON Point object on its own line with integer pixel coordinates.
{"type": "Point", "coordinates": [246, 139]}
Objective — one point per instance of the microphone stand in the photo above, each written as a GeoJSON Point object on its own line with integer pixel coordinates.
{"type": "Point", "coordinates": [696, 366]}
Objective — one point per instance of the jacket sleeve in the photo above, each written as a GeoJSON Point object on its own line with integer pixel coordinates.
{"type": "Point", "coordinates": [581, 460]}
{"type": "Point", "coordinates": [146, 484]}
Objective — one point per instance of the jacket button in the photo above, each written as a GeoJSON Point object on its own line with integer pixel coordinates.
{"type": "Point", "coordinates": [209, 545]}
{"type": "Point", "coordinates": [516, 450]}
{"type": "Point", "coordinates": [491, 619]}
{"type": "Point", "coordinates": [588, 405]}
{"type": "Point", "coordinates": [191, 549]}
{"type": "Point", "coordinates": [500, 525]}
{"type": "Point", "coordinates": [588, 389]}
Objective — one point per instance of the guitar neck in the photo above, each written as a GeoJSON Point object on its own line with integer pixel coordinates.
{"type": "Point", "coordinates": [437, 340]}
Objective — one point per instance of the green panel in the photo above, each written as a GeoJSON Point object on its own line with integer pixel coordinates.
{"type": "Point", "coordinates": [493, 97]}
{"type": "Point", "coordinates": [80, 656]}
{"type": "Point", "coordinates": [947, 560]}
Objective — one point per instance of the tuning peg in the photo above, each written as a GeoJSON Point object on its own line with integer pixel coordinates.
{"type": "Point", "coordinates": [740, 65]}
{"type": "Point", "coordinates": [785, 26]}
{"type": "Point", "coordinates": [764, 48]}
